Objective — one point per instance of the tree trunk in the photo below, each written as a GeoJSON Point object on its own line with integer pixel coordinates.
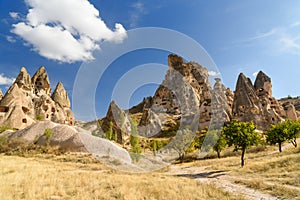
{"type": "Point", "coordinates": [242, 158]}
{"type": "Point", "coordinates": [181, 157]}
{"type": "Point", "coordinates": [279, 146]}
{"type": "Point", "coordinates": [218, 152]}
{"type": "Point", "coordinates": [294, 142]}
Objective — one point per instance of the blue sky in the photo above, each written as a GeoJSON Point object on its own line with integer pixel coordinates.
{"type": "Point", "coordinates": [240, 36]}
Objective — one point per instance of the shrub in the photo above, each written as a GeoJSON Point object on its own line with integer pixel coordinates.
{"type": "Point", "coordinates": [48, 133]}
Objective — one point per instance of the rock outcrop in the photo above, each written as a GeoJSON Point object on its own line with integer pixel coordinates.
{"type": "Point", "coordinates": [291, 106]}
{"type": "Point", "coordinates": [117, 120]}
{"type": "Point", "coordinates": [70, 138]}
{"type": "Point", "coordinates": [255, 102]}
{"type": "Point", "coordinates": [28, 101]}
{"type": "Point", "coordinates": [186, 94]}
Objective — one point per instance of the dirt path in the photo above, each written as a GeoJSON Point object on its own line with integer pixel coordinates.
{"type": "Point", "coordinates": [221, 179]}
{"type": "Point", "coordinates": [224, 179]}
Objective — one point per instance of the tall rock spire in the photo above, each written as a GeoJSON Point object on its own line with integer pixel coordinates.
{"type": "Point", "coordinates": [263, 84]}
{"type": "Point", "coordinates": [60, 96]}
{"type": "Point", "coordinates": [23, 80]}
{"type": "Point", "coordinates": [40, 81]}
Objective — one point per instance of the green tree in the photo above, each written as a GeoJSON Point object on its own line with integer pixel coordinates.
{"type": "Point", "coordinates": [286, 131]}
{"type": "Point", "coordinates": [293, 131]}
{"type": "Point", "coordinates": [215, 137]}
{"type": "Point", "coordinates": [182, 141]}
{"type": "Point", "coordinates": [134, 142]}
{"type": "Point", "coordinates": [241, 135]}
{"type": "Point", "coordinates": [48, 133]}
{"type": "Point", "coordinates": [110, 134]}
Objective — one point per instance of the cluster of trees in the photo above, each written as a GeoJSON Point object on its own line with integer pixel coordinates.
{"type": "Point", "coordinates": [243, 135]}
{"type": "Point", "coordinates": [240, 135]}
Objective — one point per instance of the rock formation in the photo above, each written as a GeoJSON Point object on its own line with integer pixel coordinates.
{"type": "Point", "coordinates": [255, 102]}
{"type": "Point", "coordinates": [120, 122]}
{"type": "Point", "coordinates": [71, 138]}
{"type": "Point", "coordinates": [291, 106]}
{"type": "Point", "coordinates": [186, 94]}
{"type": "Point", "coordinates": [28, 101]}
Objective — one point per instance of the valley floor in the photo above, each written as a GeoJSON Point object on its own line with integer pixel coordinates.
{"type": "Point", "coordinates": [266, 175]}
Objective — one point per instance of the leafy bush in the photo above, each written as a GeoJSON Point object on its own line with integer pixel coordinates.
{"type": "Point", "coordinates": [48, 133]}
{"type": "Point", "coordinates": [40, 117]}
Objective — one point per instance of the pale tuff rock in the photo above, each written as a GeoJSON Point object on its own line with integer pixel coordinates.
{"type": "Point", "coordinates": [70, 138]}
{"type": "Point", "coordinates": [290, 111]}
{"type": "Point", "coordinates": [28, 100]}
{"type": "Point", "coordinates": [121, 125]}
{"type": "Point", "coordinates": [41, 83]}
{"type": "Point", "coordinates": [290, 106]}
{"type": "Point", "coordinates": [1, 94]}
{"type": "Point", "coordinates": [60, 96]}
{"type": "Point", "coordinates": [255, 103]}
{"type": "Point", "coordinates": [23, 80]}
{"type": "Point", "coordinates": [16, 108]}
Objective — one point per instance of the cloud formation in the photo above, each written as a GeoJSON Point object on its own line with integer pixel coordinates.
{"type": "Point", "coordinates": [213, 73]}
{"type": "Point", "coordinates": [6, 80]}
{"type": "Point", "coordinates": [14, 15]}
{"type": "Point", "coordinates": [135, 15]}
{"type": "Point", "coordinates": [255, 74]}
{"type": "Point", "coordinates": [66, 30]}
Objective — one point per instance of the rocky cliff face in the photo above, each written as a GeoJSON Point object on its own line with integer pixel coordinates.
{"type": "Point", "coordinates": [186, 93]}
{"type": "Point", "coordinates": [291, 107]}
{"type": "Point", "coordinates": [255, 102]}
{"type": "Point", "coordinates": [28, 101]}
{"type": "Point", "coordinates": [120, 122]}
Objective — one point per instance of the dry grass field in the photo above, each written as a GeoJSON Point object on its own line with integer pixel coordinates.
{"type": "Point", "coordinates": [269, 171]}
{"type": "Point", "coordinates": [82, 177]}
{"type": "Point", "coordinates": [53, 176]}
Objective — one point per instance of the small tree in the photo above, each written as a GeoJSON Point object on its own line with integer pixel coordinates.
{"type": "Point", "coordinates": [214, 137]}
{"type": "Point", "coordinates": [286, 131]}
{"type": "Point", "coordinates": [48, 133]}
{"type": "Point", "coordinates": [182, 141]}
{"type": "Point", "coordinates": [134, 142]}
{"type": "Point", "coordinates": [109, 134]}
{"type": "Point", "coordinates": [293, 131]}
{"type": "Point", "coordinates": [241, 135]}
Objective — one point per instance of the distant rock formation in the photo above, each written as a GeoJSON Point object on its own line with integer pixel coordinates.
{"type": "Point", "coordinates": [28, 101]}
{"type": "Point", "coordinates": [120, 122]}
{"type": "Point", "coordinates": [255, 102]}
{"type": "Point", "coordinates": [186, 94]}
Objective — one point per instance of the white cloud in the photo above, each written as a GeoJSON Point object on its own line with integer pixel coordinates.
{"type": "Point", "coordinates": [295, 24]}
{"type": "Point", "coordinates": [6, 80]}
{"type": "Point", "coordinates": [255, 74]}
{"type": "Point", "coordinates": [66, 30]}
{"type": "Point", "coordinates": [14, 15]}
{"type": "Point", "coordinates": [138, 10]}
{"type": "Point", "coordinates": [265, 34]}
{"type": "Point", "coordinates": [10, 39]}
{"type": "Point", "coordinates": [290, 45]}
{"type": "Point", "coordinates": [213, 73]}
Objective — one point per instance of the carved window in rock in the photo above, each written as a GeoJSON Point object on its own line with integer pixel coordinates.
{"type": "Point", "coordinates": [4, 109]}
